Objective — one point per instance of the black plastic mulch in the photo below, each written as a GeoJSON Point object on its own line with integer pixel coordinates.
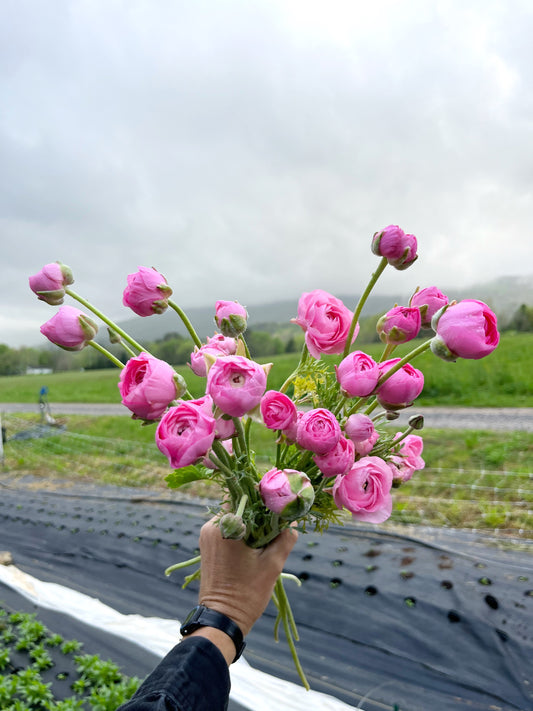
{"type": "Point", "coordinates": [414, 624]}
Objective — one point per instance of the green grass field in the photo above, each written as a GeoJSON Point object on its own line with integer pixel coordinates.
{"type": "Point", "coordinates": [472, 478]}
{"type": "Point", "coordinates": [503, 379]}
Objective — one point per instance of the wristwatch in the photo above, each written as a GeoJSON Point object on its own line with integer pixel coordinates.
{"type": "Point", "coordinates": [201, 616]}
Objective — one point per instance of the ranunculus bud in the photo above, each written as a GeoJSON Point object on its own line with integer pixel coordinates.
{"type": "Point", "coordinates": [278, 410]}
{"type": "Point", "coordinates": [357, 374]}
{"type": "Point", "coordinates": [429, 300]}
{"type": "Point", "coordinates": [359, 427]}
{"type": "Point", "coordinates": [326, 322]}
{"type": "Point", "coordinates": [70, 329]}
{"type": "Point", "coordinates": [236, 384]}
{"type": "Point", "coordinates": [467, 329]}
{"type": "Point", "coordinates": [114, 337]}
{"type": "Point", "coordinates": [185, 433]}
{"type": "Point", "coordinates": [365, 490]}
{"type": "Point", "coordinates": [338, 460]}
{"type": "Point", "coordinates": [287, 492]}
{"type": "Point", "coordinates": [402, 388]}
{"type": "Point", "coordinates": [399, 325]}
{"type": "Point", "coordinates": [232, 527]}
{"type": "Point", "coordinates": [398, 248]}
{"type": "Point", "coordinates": [416, 422]}
{"type": "Point", "coordinates": [50, 281]}
{"type": "Point", "coordinates": [231, 318]}
{"type": "Point", "coordinates": [318, 431]}
{"type": "Point", "coordinates": [147, 292]}
{"type": "Point", "coordinates": [148, 385]}
{"type": "Point", "coordinates": [215, 347]}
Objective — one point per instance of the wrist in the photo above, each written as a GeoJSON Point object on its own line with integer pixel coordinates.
{"type": "Point", "coordinates": [217, 627]}
{"type": "Point", "coordinates": [220, 639]}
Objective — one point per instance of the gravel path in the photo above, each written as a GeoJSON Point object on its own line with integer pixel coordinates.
{"type": "Point", "coordinates": [496, 419]}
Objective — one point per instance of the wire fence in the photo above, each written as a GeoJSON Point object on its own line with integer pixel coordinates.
{"type": "Point", "coordinates": [499, 502]}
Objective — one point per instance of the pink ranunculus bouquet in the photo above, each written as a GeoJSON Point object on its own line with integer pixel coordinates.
{"type": "Point", "coordinates": [332, 455]}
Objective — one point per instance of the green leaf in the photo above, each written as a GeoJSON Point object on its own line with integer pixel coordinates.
{"type": "Point", "coordinates": [185, 475]}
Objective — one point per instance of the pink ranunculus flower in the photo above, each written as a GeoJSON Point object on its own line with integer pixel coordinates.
{"type": "Point", "coordinates": [407, 458]}
{"type": "Point", "coordinates": [467, 329]}
{"type": "Point", "coordinates": [365, 490]}
{"type": "Point", "coordinates": [402, 388]}
{"type": "Point", "coordinates": [148, 385]}
{"type": "Point", "coordinates": [359, 427]}
{"type": "Point", "coordinates": [399, 248]}
{"type": "Point", "coordinates": [287, 492]}
{"type": "Point", "coordinates": [225, 429]}
{"type": "Point", "coordinates": [357, 374]}
{"type": "Point", "coordinates": [185, 433]}
{"type": "Point", "coordinates": [215, 347]}
{"type": "Point", "coordinates": [338, 460]}
{"type": "Point", "coordinates": [318, 431]}
{"type": "Point", "coordinates": [326, 322]}
{"type": "Point", "coordinates": [429, 300]}
{"type": "Point", "coordinates": [231, 317]}
{"type": "Point", "coordinates": [70, 329]}
{"type": "Point", "coordinates": [236, 384]}
{"type": "Point", "coordinates": [365, 446]}
{"type": "Point", "coordinates": [147, 292]}
{"type": "Point", "coordinates": [399, 325]}
{"type": "Point", "coordinates": [410, 254]}
{"type": "Point", "coordinates": [278, 410]}
{"type": "Point", "coordinates": [49, 283]}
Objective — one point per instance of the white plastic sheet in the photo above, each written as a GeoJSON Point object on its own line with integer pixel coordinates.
{"type": "Point", "coordinates": [250, 687]}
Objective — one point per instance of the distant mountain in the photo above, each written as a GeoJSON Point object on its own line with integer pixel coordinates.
{"type": "Point", "coordinates": [155, 327]}
{"type": "Point", "coordinates": [504, 295]}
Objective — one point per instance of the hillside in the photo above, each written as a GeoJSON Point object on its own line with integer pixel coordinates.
{"type": "Point", "coordinates": [504, 295]}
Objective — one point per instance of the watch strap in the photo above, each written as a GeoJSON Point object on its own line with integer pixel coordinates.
{"type": "Point", "coordinates": [201, 616]}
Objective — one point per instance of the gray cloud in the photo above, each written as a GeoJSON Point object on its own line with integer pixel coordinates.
{"type": "Point", "coordinates": [250, 149]}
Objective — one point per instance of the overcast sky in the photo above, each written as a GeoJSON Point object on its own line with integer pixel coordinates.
{"type": "Point", "coordinates": [249, 149]}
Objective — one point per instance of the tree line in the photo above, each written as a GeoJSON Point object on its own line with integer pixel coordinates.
{"type": "Point", "coordinates": [263, 341]}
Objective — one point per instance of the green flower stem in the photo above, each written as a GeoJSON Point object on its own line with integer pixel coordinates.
{"type": "Point", "coordinates": [128, 350]}
{"type": "Point", "coordinates": [264, 540]}
{"type": "Point", "coordinates": [403, 435]}
{"type": "Point", "coordinates": [241, 436]}
{"type": "Point", "coordinates": [371, 407]}
{"type": "Point", "coordinates": [188, 325]}
{"type": "Point", "coordinates": [247, 428]}
{"type": "Point", "coordinates": [287, 618]}
{"type": "Point", "coordinates": [242, 505]}
{"type": "Point", "coordinates": [246, 349]}
{"type": "Point", "coordinates": [364, 296]}
{"type": "Point", "coordinates": [183, 564]}
{"type": "Point", "coordinates": [222, 454]}
{"type": "Point", "coordinates": [406, 359]}
{"type": "Point", "coordinates": [189, 578]}
{"type": "Point", "coordinates": [303, 358]}
{"type": "Point", "coordinates": [294, 578]}
{"type": "Point", "coordinates": [387, 352]}
{"type": "Point", "coordinates": [104, 351]}
{"type": "Point", "coordinates": [104, 318]}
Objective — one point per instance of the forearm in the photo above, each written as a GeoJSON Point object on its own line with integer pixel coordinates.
{"type": "Point", "coordinates": [192, 677]}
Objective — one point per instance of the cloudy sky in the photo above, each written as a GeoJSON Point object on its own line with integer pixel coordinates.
{"type": "Point", "coordinates": [248, 149]}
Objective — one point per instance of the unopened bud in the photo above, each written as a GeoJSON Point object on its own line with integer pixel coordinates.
{"type": "Point", "coordinates": [181, 385]}
{"type": "Point", "coordinates": [392, 415]}
{"type": "Point", "coordinates": [113, 336]}
{"type": "Point", "coordinates": [232, 526]}
{"type": "Point", "coordinates": [416, 422]}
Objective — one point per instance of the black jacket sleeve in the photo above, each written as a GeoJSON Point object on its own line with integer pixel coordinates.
{"type": "Point", "coordinates": [193, 676]}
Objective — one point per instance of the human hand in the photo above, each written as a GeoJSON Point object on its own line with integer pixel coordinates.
{"type": "Point", "coordinates": [238, 580]}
